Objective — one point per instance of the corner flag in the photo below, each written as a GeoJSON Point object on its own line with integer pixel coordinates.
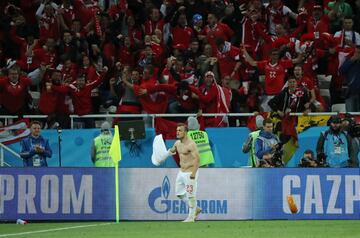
{"type": "Point", "coordinates": [115, 149]}
{"type": "Point", "coordinates": [115, 154]}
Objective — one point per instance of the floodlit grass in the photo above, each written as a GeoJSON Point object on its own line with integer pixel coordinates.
{"type": "Point", "coordinates": [200, 229]}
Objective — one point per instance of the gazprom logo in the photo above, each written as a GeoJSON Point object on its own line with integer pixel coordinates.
{"type": "Point", "coordinates": [165, 188]}
{"type": "Point", "coordinates": [163, 205]}
{"type": "Point", "coordinates": [158, 202]}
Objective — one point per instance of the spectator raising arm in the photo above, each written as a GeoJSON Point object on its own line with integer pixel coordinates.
{"type": "Point", "coordinates": [248, 58]}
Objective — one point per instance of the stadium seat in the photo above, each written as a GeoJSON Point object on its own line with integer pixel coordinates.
{"type": "Point", "coordinates": [324, 81]}
{"type": "Point", "coordinates": [338, 107]}
{"type": "Point", "coordinates": [325, 92]}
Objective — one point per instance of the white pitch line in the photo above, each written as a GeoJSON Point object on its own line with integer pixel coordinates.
{"type": "Point", "coordinates": [55, 229]}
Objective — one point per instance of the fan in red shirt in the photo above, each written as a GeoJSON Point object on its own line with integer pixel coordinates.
{"type": "Point", "coordinates": [173, 70]}
{"type": "Point", "coordinates": [52, 103]}
{"type": "Point", "coordinates": [71, 46]}
{"type": "Point", "coordinates": [125, 53]}
{"type": "Point", "coordinates": [14, 95]}
{"type": "Point", "coordinates": [68, 71]}
{"type": "Point", "coordinates": [129, 103]}
{"type": "Point", "coordinates": [316, 101]}
{"type": "Point", "coordinates": [47, 54]}
{"type": "Point", "coordinates": [88, 69]}
{"type": "Point", "coordinates": [228, 57]}
{"type": "Point", "coordinates": [67, 14]}
{"type": "Point", "coordinates": [181, 33]}
{"type": "Point", "coordinates": [147, 57]}
{"type": "Point", "coordinates": [216, 29]}
{"type": "Point", "coordinates": [278, 13]}
{"type": "Point", "coordinates": [80, 93]}
{"type": "Point", "coordinates": [249, 36]}
{"type": "Point", "coordinates": [315, 46]}
{"type": "Point", "coordinates": [275, 73]}
{"type": "Point", "coordinates": [78, 31]}
{"type": "Point", "coordinates": [186, 101]}
{"type": "Point", "coordinates": [48, 23]}
{"type": "Point", "coordinates": [318, 21]}
{"type": "Point", "coordinates": [151, 103]}
{"type": "Point", "coordinates": [135, 33]}
{"type": "Point", "coordinates": [280, 40]}
{"type": "Point", "coordinates": [85, 10]}
{"type": "Point", "coordinates": [154, 41]}
{"type": "Point", "coordinates": [116, 10]}
{"type": "Point", "coordinates": [25, 61]}
{"type": "Point", "coordinates": [155, 22]}
{"type": "Point", "coordinates": [213, 99]}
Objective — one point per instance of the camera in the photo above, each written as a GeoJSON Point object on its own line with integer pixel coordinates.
{"type": "Point", "coordinates": [274, 159]}
{"type": "Point", "coordinates": [277, 156]}
{"type": "Point", "coordinates": [354, 130]}
{"type": "Point", "coordinates": [308, 160]}
{"type": "Point", "coordinates": [321, 160]}
{"type": "Point", "coordinates": [308, 163]}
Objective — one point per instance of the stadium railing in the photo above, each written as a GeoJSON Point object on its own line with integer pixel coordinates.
{"type": "Point", "coordinates": [7, 118]}
{"type": "Point", "coordinates": [2, 158]}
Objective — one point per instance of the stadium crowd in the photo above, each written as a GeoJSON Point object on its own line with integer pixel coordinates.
{"type": "Point", "coordinates": [83, 57]}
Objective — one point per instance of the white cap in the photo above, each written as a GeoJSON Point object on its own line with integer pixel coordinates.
{"type": "Point", "coordinates": [193, 123]}
{"type": "Point", "coordinates": [209, 73]}
{"type": "Point", "coordinates": [259, 121]}
{"type": "Point", "coordinates": [105, 126]}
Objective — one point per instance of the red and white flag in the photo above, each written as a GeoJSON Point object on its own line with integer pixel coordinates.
{"type": "Point", "coordinates": [15, 132]}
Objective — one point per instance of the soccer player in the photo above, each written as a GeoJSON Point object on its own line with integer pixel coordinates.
{"type": "Point", "coordinates": [186, 180]}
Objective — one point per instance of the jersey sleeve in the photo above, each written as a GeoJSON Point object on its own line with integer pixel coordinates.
{"type": "Point", "coordinates": [261, 65]}
{"type": "Point", "coordinates": [287, 63]}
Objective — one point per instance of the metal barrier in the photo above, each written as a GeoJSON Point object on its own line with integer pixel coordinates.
{"type": "Point", "coordinates": [153, 116]}
{"type": "Point", "coordinates": [7, 118]}
{"type": "Point", "coordinates": [2, 157]}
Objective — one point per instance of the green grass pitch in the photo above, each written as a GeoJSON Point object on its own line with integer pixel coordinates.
{"type": "Point", "coordinates": [200, 229]}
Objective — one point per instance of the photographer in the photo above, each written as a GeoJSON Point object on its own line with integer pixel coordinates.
{"type": "Point", "coordinates": [308, 160]}
{"type": "Point", "coordinates": [268, 147]}
{"type": "Point", "coordinates": [337, 146]}
{"type": "Point", "coordinates": [349, 126]}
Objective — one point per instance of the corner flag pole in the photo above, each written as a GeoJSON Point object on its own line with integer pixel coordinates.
{"type": "Point", "coordinates": [117, 192]}
{"type": "Point", "coordinates": [115, 153]}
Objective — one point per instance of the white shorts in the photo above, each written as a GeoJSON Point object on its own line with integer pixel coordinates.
{"type": "Point", "coordinates": [185, 185]}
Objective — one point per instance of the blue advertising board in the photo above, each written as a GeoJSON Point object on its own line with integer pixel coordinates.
{"type": "Point", "coordinates": [57, 194]}
{"type": "Point", "coordinates": [318, 193]}
{"type": "Point", "coordinates": [149, 194]}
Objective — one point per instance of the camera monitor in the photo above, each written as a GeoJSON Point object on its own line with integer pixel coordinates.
{"type": "Point", "coordinates": [132, 130]}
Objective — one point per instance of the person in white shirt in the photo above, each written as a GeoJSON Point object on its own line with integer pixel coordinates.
{"type": "Point", "coordinates": [347, 37]}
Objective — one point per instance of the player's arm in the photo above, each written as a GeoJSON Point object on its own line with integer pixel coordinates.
{"type": "Point", "coordinates": [172, 150]}
{"type": "Point", "coordinates": [195, 154]}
